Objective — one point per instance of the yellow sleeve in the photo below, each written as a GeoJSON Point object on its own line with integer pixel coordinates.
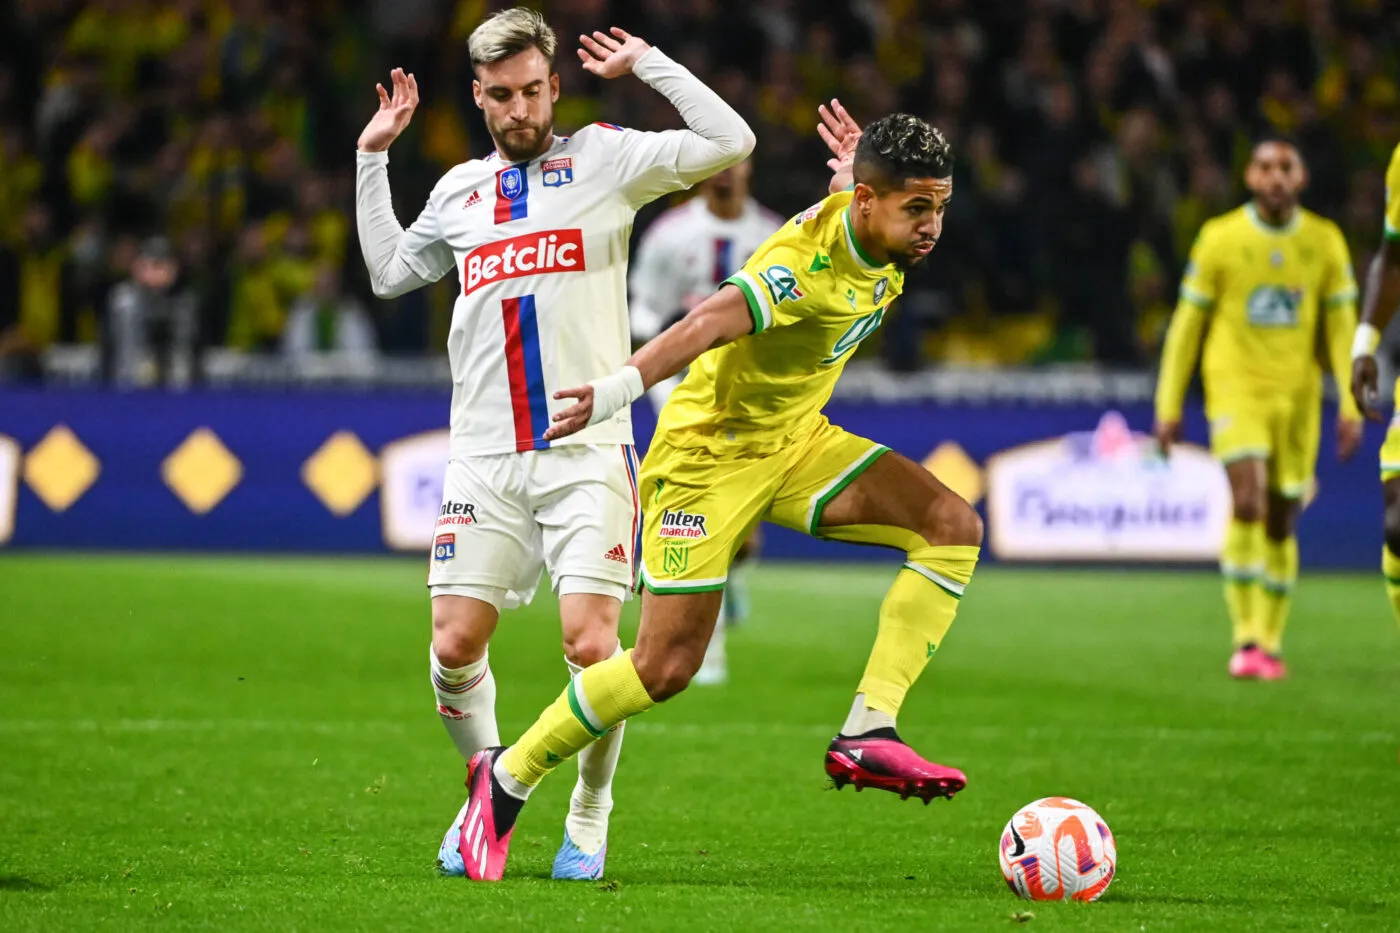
{"type": "Point", "coordinates": [1200, 287]}
{"type": "Point", "coordinates": [780, 284]}
{"type": "Point", "coordinates": [1392, 197]}
{"type": "Point", "coordinates": [1339, 320]}
{"type": "Point", "coordinates": [1200, 284]}
{"type": "Point", "coordinates": [1179, 353]}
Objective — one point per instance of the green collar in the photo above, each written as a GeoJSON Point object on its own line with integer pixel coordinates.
{"type": "Point", "coordinates": [852, 244]}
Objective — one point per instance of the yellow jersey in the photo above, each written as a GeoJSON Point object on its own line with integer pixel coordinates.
{"type": "Point", "coordinates": [814, 294]}
{"type": "Point", "coordinates": [1263, 296]}
{"type": "Point", "coordinates": [1392, 197]}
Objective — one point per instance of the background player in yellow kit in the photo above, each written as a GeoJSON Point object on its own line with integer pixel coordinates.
{"type": "Point", "coordinates": [1268, 284]}
{"type": "Point", "coordinates": [743, 439]}
{"type": "Point", "coordinates": [1377, 308]}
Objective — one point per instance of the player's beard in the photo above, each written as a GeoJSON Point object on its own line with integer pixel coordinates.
{"type": "Point", "coordinates": [521, 142]}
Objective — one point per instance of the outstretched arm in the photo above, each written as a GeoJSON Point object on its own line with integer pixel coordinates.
{"type": "Point", "coordinates": [651, 164]}
{"type": "Point", "coordinates": [719, 319]}
{"type": "Point", "coordinates": [398, 260]}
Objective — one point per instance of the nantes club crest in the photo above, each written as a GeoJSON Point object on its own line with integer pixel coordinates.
{"type": "Point", "coordinates": [675, 559]}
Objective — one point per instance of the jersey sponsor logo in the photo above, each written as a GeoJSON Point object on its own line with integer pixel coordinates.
{"type": "Point", "coordinates": [807, 215]}
{"type": "Point", "coordinates": [557, 172]}
{"type": "Point", "coordinates": [457, 513]}
{"type": "Point", "coordinates": [782, 284]}
{"type": "Point", "coordinates": [618, 553]}
{"type": "Point", "coordinates": [682, 524]}
{"type": "Point", "coordinates": [472, 200]}
{"type": "Point", "coordinates": [444, 548]}
{"type": "Point", "coordinates": [855, 334]}
{"type": "Point", "coordinates": [540, 253]}
{"type": "Point", "coordinates": [880, 288]}
{"type": "Point", "coordinates": [1274, 306]}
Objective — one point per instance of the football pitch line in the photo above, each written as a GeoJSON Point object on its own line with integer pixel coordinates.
{"type": "Point", "coordinates": [689, 731]}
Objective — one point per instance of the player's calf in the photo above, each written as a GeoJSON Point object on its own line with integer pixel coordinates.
{"type": "Point", "coordinates": [460, 670]}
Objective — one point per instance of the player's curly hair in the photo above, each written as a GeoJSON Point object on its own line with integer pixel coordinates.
{"type": "Point", "coordinates": [508, 33]}
{"type": "Point", "coordinates": [898, 147]}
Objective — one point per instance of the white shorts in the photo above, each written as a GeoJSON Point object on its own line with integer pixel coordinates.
{"type": "Point", "coordinates": [572, 511]}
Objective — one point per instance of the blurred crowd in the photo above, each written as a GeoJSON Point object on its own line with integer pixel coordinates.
{"type": "Point", "coordinates": [178, 174]}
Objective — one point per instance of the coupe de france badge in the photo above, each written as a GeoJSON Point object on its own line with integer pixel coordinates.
{"type": "Point", "coordinates": [558, 172]}
{"type": "Point", "coordinates": [511, 185]}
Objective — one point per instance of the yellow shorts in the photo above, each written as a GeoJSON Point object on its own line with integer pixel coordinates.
{"type": "Point", "coordinates": [1284, 430]}
{"type": "Point", "coordinates": [1390, 450]}
{"type": "Point", "coordinates": [699, 507]}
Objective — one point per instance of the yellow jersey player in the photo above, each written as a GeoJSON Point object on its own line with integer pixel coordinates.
{"type": "Point", "coordinates": [1267, 284]}
{"type": "Point", "coordinates": [744, 439]}
{"type": "Point", "coordinates": [1377, 308]}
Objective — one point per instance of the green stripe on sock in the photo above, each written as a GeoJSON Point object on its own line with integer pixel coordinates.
{"type": "Point", "coordinates": [1393, 581]}
{"type": "Point", "coordinates": [577, 710]}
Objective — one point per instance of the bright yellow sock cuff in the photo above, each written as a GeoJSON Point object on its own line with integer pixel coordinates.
{"type": "Point", "coordinates": [948, 565]}
{"type": "Point", "coordinates": [593, 702]}
{"type": "Point", "coordinates": [1242, 555]}
{"type": "Point", "coordinates": [1280, 565]}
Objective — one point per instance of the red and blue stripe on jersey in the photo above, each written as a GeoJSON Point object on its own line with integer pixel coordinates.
{"type": "Point", "coordinates": [724, 260]}
{"type": "Point", "coordinates": [510, 208]}
{"type": "Point", "coordinates": [525, 372]}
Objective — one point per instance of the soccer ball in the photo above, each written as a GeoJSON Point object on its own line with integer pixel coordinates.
{"type": "Point", "coordinates": [1058, 849]}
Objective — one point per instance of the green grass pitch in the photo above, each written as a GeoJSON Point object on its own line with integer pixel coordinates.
{"type": "Point", "coordinates": [250, 744]}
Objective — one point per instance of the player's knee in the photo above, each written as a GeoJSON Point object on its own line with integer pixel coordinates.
{"type": "Point", "coordinates": [589, 646]}
{"type": "Point", "coordinates": [456, 641]}
{"type": "Point", "coordinates": [1248, 506]}
{"type": "Point", "coordinates": [950, 520]}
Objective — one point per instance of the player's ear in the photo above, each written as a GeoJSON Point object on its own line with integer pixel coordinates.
{"type": "Point", "coordinates": [476, 93]}
{"type": "Point", "coordinates": [554, 87]}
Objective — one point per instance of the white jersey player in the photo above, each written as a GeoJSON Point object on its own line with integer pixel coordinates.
{"type": "Point", "coordinates": [683, 257]}
{"type": "Point", "coordinates": [537, 233]}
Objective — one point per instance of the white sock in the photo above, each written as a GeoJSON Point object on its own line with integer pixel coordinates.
{"type": "Point", "coordinates": [466, 701]}
{"type": "Point", "coordinates": [862, 719]}
{"type": "Point", "coordinates": [587, 822]}
{"type": "Point", "coordinates": [715, 660]}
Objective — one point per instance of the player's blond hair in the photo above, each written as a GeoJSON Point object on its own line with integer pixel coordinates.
{"type": "Point", "coordinates": [508, 33]}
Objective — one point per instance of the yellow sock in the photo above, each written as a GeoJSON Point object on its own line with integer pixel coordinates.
{"type": "Point", "coordinates": [1390, 566]}
{"type": "Point", "coordinates": [915, 616]}
{"type": "Point", "coordinates": [1276, 591]}
{"type": "Point", "coordinates": [595, 701]}
{"type": "Point", "coordinates": [1242, 564]}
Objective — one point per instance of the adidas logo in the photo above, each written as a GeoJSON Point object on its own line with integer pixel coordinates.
{"type": "Point", "coordinates": [473, 200]}
{"type": "Point", "coordinates": [618, 553]}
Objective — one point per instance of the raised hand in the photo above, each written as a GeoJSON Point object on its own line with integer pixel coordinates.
{"type": "Point", "coordinates": [840, 132]}
{"type": "Point", "coordinates": [393, 115]}
{"type": "Point", "coordinates": [1348, 438]}
{"type": "Point", "coordinates": [610, 56]}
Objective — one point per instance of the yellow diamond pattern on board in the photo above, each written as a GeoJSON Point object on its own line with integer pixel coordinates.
{"type": "Point", "coordinates": [201, 471]}
{"type": "Point", "coordinates": [956, 470]}
{"type": "Point", "coordinates": [341, 473]}
{"type": "Point", "coordinates": [60, 468]}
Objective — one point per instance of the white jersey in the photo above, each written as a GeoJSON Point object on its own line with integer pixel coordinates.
{"type": "Point", "coordinates": [540, 248]}
{"type": "Point", "coordinates": [686, 254]}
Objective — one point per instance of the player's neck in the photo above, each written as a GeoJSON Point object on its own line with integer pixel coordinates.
{"type": "Point", "coordinates": [1277, 220]}
{"type": "Point", "coordinates": [860, 233]}
{"type": "Point", "coordinates": [725, 207]}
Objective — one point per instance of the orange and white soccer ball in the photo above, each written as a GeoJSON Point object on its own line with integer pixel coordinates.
{"type": "Point", "coordinates": [1058, 849]}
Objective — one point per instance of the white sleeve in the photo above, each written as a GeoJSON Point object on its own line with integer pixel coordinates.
{"type": "Point", "coordinates": [655, 298]}
{"type": "Point", "coordinates": [649, 165]}
{"type": "Point", "coordinates": [398, 260]}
